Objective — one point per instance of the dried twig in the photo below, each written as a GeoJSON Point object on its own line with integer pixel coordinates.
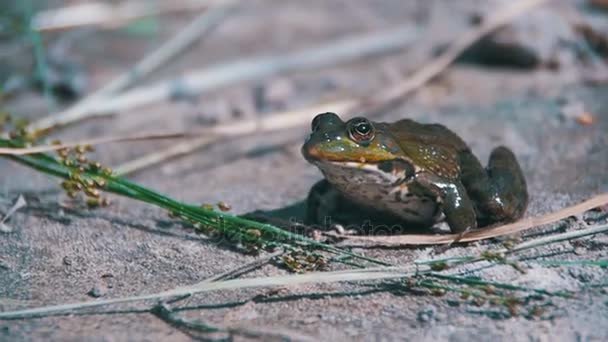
{"type": "Point", "coordinates": [181, 41]}
{"type": "Point", "coordinates": [375, 102]}
{"type": "Point", "coordinates": [480, 234]}
{"type": "Point", "coordinates": [198, 81]}
{"type": "Point", "coordinates": [165, 313]}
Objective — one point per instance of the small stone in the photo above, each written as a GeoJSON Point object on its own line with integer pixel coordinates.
{"type": "Point", "coordinates": [579, 250]}
{"type": "Point", "coordinates": [310, 320]}
{"type": "Point", "coordinates": [5, 229]}
{"type": "Point", "coordinates": [98, 291]}
{"type": "Point", "coordinates": [427, 314]}
{"type": "Point", "coordinates": [585, 119]}
{"type": "Point", "coordinates": [580, 275]}
{"type": "Point", "coordinates": [573, 111]}
{"type": "Point", "coordinates": [67, 261]}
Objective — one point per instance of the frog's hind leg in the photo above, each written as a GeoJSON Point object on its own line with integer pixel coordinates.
{"type": "Point", "coordinates": [508, 179]}
{"type": "Point", "coordinates": [500, 190]}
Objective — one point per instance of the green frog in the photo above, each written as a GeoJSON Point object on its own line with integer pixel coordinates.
{"type": "Point", "coordinates": [414, 173]}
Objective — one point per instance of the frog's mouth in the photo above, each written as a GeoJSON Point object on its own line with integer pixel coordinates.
{"type": "Point", "coordinates": [357, 172]}
{"type": "Point", "coordinates": [387, 171]}
{"type": "Point", "coordinates": [342, 150]}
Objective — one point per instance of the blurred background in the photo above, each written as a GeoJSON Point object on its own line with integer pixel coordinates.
{"type": "Point", "coordinates": [103, 68]}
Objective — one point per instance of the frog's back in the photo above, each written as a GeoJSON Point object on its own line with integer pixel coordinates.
{"type": "Point", "coordinates": [430, 146]}
{"type": "Point", "coordinates": [410, 132]}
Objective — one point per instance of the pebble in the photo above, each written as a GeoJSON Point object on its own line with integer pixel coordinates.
{"type": "Point", "coordinates": [98, 291]}
{"type": "Point", "coordinates": [427, 314]}
{"type": "Point", "coordinates": [67, 260]}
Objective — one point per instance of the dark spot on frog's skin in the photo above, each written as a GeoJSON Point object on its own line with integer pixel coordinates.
{"type": "Point", "coordinates": [377, 198]}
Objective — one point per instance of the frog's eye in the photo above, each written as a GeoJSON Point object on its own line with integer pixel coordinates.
{"type": "Point", "coordinates": [361, 130]}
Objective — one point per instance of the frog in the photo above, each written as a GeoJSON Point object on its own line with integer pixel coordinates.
{"type": "Point", "coordinates": [416, 173]}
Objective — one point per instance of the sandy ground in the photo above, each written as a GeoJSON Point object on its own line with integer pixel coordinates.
{"type": "Point", "coordinates": [56, 254]}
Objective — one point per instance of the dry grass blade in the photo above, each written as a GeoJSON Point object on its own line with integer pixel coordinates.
{"type": "Point", "coordinates": [211, 284]}
{"type": "Point", "coordinates": [177, 44]}
{"type": "Point", "coordinates": [315, 277]}
{"type": "Point", "coordinates": [273, 122]}
{"type": "Point", "coordinates": [348, 106]}
{"type": "Point", "coordinates": [21, 151]}
{"type": "Point", "coordinates": [243, 269]}
{"type": "Point", "coordinates": [557, 238]}
{"type": "Point", "coordinates": [481, 234]}
{"type": "Point", "coordinates": [108, 15]}
{"type": "Point", "coordinates": [198, 81]}
{"type": "Point", "coordinates": [262, 125]}
{"type": "Point", "coordinates": [155, 158]}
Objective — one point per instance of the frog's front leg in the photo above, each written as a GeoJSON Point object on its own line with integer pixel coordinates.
{"type": "Point", "coordinates": [454, 202]}
{"type": "Point", "coordinates": [321, 203]}
{"type": "Point", "coordinates": [328, 209]}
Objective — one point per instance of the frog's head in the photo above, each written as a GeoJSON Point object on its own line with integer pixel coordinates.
{"type": "Point", "coordinates": [356, 151]}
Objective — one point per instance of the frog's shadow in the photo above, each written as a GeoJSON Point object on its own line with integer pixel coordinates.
{"type": "Point", "coordinates": [292, 218]}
